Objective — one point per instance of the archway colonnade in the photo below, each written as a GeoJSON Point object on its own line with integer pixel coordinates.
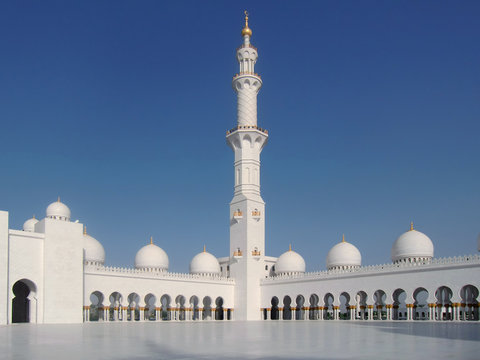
{"type": "Point", "coordinates": [434, 305]}
{"type": "Point", "coordinates": [150, 307]}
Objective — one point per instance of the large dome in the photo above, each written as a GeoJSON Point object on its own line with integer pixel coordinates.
{"type": "Point", "coordinates": [29, 225]}
{"type": "Point", "coordinates": [343, 256]}
{"type": "Point", "coordinates": [290, 262]}
{"type": "Point", "coordinates": [58, 210]}
{"type": "Point", "coordinates": [412, 246]}
{"type": "Point", "coordinates": [204, 263]}
{"type": "Point", "coordinates": [151, 257]}
{"type": "Point", "coordinates": [94, 251]}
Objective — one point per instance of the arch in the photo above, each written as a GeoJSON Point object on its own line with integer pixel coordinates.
{"type": "Point", "coordinates": [344, 306]}
{"type": "Point", "coordinates": [150, 307]}
{"type": "Point", "coordinates": [399, 305]}
{"type": "Point", "coordinates": [219, 308]}
{"type": "Point", "coordinates": [287, 309]}
{"type": "Point", "coordinates": [380, 310]}
{"type": "Point", "coordinates": [328, 307]}
{"type": "Point", "coordinates": [420, 304]}
{"type": "Point", "coordinates": [274, 312]}
{"type": "Point", "coordinates": [166, 310]}
{"type": "Point", "coordinates": [313, 313]}
{"type": "Point", "coordinates": [96, 306]}
{"type": "Point", "coordinates": [115, 308]}
{"type": "Point", "coordinates": [24, 303]}
{"type": "Point", "coordinates": [361, 305]}
{"type": "Point", "coordinates": [180, 308]}
{"type": "Point", "coordinates": [469, 305]}
{"type": "Point", "coordinates": [300, 312]}
{"type": "Point", "coordinates": [133, 309]}
{"type": "Point", "coordinates": [194, 306]}
{"type": "Point", "coordinates": [444, 303]}
{"type": "Point", "coordinates": [207, 308]}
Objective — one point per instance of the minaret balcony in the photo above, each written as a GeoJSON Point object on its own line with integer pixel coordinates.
{"type": "Point", "coordinates": [243, 73]}
{"type": "Point", "coordinates": [256, 215]}
{"type": "Point", "coordinates": [247, 127]}
{"type": "Point", "coordinates": [247, 46]}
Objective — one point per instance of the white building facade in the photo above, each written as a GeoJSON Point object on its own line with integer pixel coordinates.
{"type": "Point", "coordinates": [52, 271]}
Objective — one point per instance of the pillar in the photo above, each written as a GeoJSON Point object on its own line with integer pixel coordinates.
{"type": "Point", "coordinates": [335, 312]}
{"type": "Point", "coordinates": [370, 312]}
{"type": "Point", "coordinates": [280, 313]}
{"type": "Point", "coordinates": [409, 311]}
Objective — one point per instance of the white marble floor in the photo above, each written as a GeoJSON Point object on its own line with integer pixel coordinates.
{"type": "Point", "coordinates": [242, 340]}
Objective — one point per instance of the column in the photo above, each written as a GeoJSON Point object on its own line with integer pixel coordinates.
{"type": "Point", "coordinates": [106, 313]}
{"type": "Point", "coordinates": [213, 312]}
{"type": "Point", "coordinates": [370, 312]}
{"type": "Point", "coordinates": [409, 311]}
{"type": "Point", "coordinates": [431, 312]}
{"type": "Point", "coordinates": [335, 312]}
{"type": "Point", "coordinates": [280, 313]}
{"type": "Point", "coordinates": [225, 314]}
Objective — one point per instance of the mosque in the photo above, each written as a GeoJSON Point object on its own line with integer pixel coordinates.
{"type": "Point", "coordinates": [52, 271]}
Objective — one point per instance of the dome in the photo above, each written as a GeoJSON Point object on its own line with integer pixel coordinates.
{"type": "Point", "coordinates": [151, 256]}
{"type": "Point", "coordinates": [58, 210]}
{"type": "Point", "coordinates": [290, 262]}
{"type": "Point", "coordinates": [412, 245]}
{"type": "Point", "coordinates": [204, 263]}
{"type": "Point", "coordinates": [343, 255]}
{"type": "Point", "coordinates": [94, 251]}
{"type": "Point", "coordinates": [29, 225]}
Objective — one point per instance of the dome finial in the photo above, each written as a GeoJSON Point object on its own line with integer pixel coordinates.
{"type": "Point", "coordinates": [289, 247]}
{"type": "Point", "coordinates": [58, 199]}
{"type": "Point", "coordinates": [343, 237]}
{"type": "Point", "coordinates": [151, 240]}
{"type": "Point", "coordinates": [411, 226]}
{"type": "Point", "coordinates": [84, 229]}
{"type": "Point", "coordinates": [33, 217]}
{"type": "Point", "coordinates": [246, 30]}
{"type": "Point", "coordinates": [204, 248]}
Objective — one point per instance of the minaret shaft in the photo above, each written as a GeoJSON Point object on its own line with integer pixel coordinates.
{"type": "Point", "coordinates": [247, 208]}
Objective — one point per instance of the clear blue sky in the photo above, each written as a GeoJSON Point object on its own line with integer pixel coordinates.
{"type": "Point", "coordinates": [121, 107]}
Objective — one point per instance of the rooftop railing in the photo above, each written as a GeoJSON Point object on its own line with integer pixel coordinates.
{"type": "Point", "coordinates": [383, 268]}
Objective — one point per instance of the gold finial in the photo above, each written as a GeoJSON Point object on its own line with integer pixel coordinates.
{"type": "Point", "coordinates": [58, 199]}
{"type": "Point", "coordinates": [151, 240]}
{"type": "Point", "coordinates": [343, 237]}
{"type": "Point", "coordinates": [33, 216]}
{"type": "Point", "coordinates": [204, 248]}
{"type": "Point", "coordinates": [289, 247]}
{"type": "Point", "coordinates": [84, 229]}
{"type": "Point", "coordinates": [411, 226]}
{"type": "Point", "coordinates": [246, 30]}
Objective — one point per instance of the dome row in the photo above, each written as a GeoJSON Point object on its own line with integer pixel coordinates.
{"type": "Point", "coordinates": [150, 256]}
{"type": "Point", "coordinates": [411, 246]}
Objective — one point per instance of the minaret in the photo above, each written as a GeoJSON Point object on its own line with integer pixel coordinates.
{"type": "Point", "coordinates": [247, 208]}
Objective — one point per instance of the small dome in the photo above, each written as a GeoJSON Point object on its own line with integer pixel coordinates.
{"type": "Point", "coordinates": [204, 263]}
{"type": "Point", "coordinates": [29, 225]}
{"type": "Point", "coordinates": [151, 256]}
{"type": "Point", "coordinates": [94, 251]}
{"type": "Point", "coordinates": [343, 255]}
{"type": "Point", "coordinates": [412, 245]}
{"type": "Point", "coordinates": [290, 262]}
{"type": "Point", "coordinates": [58, 210]}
